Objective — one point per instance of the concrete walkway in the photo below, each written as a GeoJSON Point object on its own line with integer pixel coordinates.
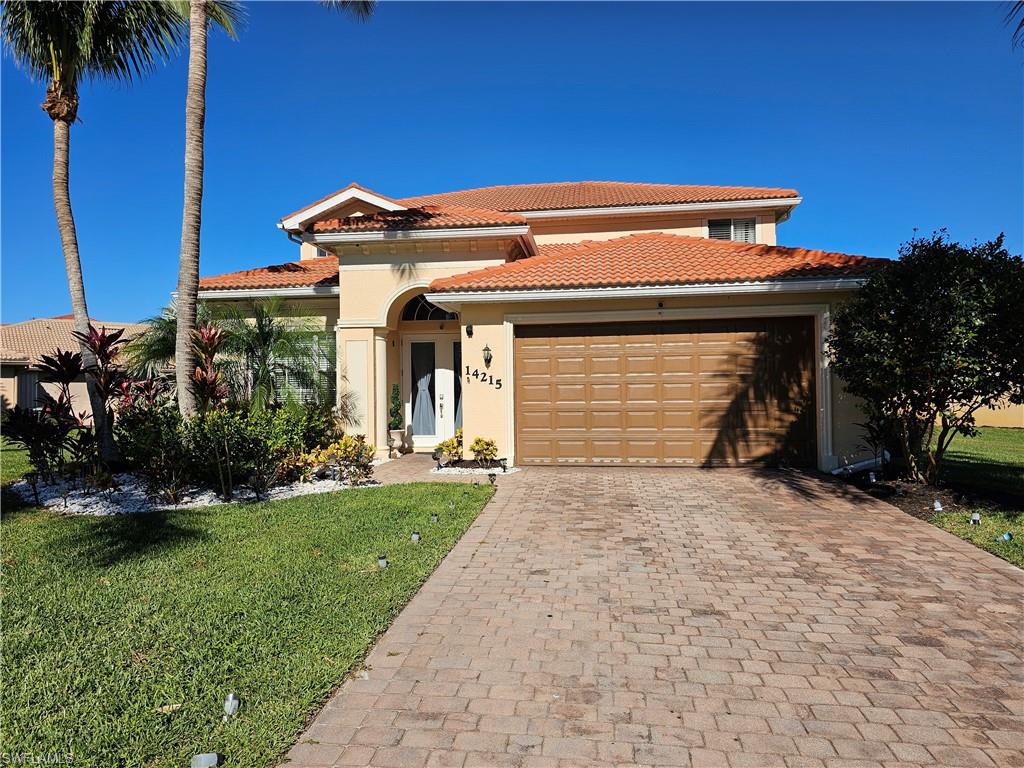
{"type": "Point", "coordinates": [690, 617]}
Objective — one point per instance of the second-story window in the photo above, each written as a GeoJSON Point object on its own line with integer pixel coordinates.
{"type": "Point", "coordinates": [740, 230]}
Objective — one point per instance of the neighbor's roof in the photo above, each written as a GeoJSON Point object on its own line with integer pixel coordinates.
{"type": "Point", "coordinates": [42, 336]}
{"type": "Point", "coordinates": [656, 259]}
{"type": "Point", "coordinates": [425, 217]}
{"type": "Point", "coordinates": [320, 272]}
{"type": "Point", "coordinates": [594, 194]}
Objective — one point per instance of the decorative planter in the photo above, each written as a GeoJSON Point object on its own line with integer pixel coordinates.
{"type": "Point", "coordinates": [396, 441]}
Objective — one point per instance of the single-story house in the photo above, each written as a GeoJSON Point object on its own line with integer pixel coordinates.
{"type": "Point", "coordinates": [576, 323]}
{"type": "Point", "coordinates": [23, 344]}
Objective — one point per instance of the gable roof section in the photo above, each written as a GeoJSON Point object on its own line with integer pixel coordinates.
{"type": "Point", "coordinates": [656, 259]}
{"type": "Point", "coordinates": [421, 218]}
{"type": "Point", "coordinates": [309, 273]}
{"type": "Point", "coordinates": [29, 340]}
{"type": "Point", "coordinates": [325, 205]}
{"type": "Point", "coordinates": [595, 194]}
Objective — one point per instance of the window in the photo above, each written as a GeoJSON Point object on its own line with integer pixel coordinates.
{"type": "Point", "coordinates": [419, 308]}
{"type": "Point", "coordinates": [294, 379]}
{"type": "Point", "coordinates": [740, 230]}
{"type": "Point", "coordinates": [322, 254]}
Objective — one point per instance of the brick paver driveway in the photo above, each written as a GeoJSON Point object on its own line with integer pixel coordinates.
{"type": "Point", "coordinates": [690, 617]}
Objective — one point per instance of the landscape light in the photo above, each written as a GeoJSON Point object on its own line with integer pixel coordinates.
{"type": "Point", "coordinates": [415, 537]}
{"type": "Point", "coordinates": [230, 705]}
{"type": "Point", "coordinates": [433, 518]}
{"type": "Point", "coordinates": [1007, 536]}
{"type": "Point", "coordinates": [492, 477]}
{"type": "Point", "coordinates": [382, 561]}
{"type": "Point", "coordinates": [937, 506]}
{"type": "Point", "coordinates": [504, 465]}
{"type": "Point", "coordinates": [871, 478]}
{"type": "Point", "coordinates": [205, 760]}
{"type": "Point", "coordinates": [976, 518]}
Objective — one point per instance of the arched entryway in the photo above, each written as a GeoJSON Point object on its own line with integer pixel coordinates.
{"type": "Point", "coordinates": [430, 345]}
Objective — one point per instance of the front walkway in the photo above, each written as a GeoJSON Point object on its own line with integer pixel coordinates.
{"type": "Point", "coordinates": [690, 617]}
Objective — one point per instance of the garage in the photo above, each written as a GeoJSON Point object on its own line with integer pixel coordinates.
{"type": "Point", "coordinates": [716, 392]}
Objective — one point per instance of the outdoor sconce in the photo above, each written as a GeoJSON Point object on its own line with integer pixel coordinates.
{"type": "Point", "coordinates": [382, 561]}
{"type": "Point", "coordinates": [469, 331]}
{"type": "Point", "coordinates": [415, 537]}
{"type": "Point", "coordinates": [487, 356]}
{"type": "Point", "coordinates": [976, 518]}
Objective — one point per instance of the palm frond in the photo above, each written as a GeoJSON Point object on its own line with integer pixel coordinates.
{"type": "Point", "coordinates": [229, 15]}
{"type": "Point", "coordinates": [1016, 16]}
{"type": "Point", "coordinates": [361, 10]}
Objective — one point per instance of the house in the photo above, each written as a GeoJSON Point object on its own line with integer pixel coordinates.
{"type": "Point", "coordinates": [576, 323]}
{"type": "Point", "coordinates": [23, 344]}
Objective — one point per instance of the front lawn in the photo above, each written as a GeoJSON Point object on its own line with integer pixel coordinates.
{"type": "Point", "coordinates": [122, 636]}
{"type": "Point", "coordinates": [986, 474]}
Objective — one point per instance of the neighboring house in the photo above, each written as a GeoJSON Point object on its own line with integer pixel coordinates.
{"type": "Point", "coordinates": [22, 345]}
{"type": "Point", "coordinates": [577, 323]}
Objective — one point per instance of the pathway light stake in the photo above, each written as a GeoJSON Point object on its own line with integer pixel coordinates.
{"type": "Point", "coordinates": [1007, 536]}
{"type": "Point", "coordinates": [433, 518]}
{"type": "Point", "coordinates": [492, 477]}
{"type": "Point", "coordinates": [205, 760]}
{"type": "Point", "coordinates": [504, 465]}
{"type": "Point", "coordinates": [415, 537]}
{"type": "Point", "coordinates": [937, 506]}
{"type": "Point", "coordinates": [871, 478]}
{"type": "Point", "coordinates": [230, 706]}
{"type": "Point", "coordinates": [382, 561]}
{"type": "Point", "coordinates": [976, 518]}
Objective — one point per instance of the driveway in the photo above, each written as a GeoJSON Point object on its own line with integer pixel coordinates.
{"type": "Point", "coordinates": [691, 617]}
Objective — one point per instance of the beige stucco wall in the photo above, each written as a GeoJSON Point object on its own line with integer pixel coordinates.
{"type": "Point", "coordinates": [9, 385]}
{"type": "Point", "coordinates": [573, 229]}
{"type": "Point", "coordinates": [1007, 416]}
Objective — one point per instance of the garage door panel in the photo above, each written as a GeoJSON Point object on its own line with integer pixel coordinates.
{"type": "Point", "coordinates": [694, 392]}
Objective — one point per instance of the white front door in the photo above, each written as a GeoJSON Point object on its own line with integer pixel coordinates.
{"type": "Point", "coordinates": [433, 393]}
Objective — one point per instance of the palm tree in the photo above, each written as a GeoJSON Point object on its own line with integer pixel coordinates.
{"type": "Point", "coordinates": [1015, 18]}
{"type": "Point", "coordinates": [150, 354]}
{"type": "Point", "coordinates": [272, 354]}
{"type": "Point", "coordinates": [201, 14]}
{"type": "Point", "coordinates": [64, 43]}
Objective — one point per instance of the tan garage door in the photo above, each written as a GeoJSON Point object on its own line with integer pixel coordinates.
{"type": "Point", "coordinates": [708, 392]}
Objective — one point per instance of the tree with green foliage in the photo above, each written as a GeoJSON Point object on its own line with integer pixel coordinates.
{"type": "Point", "coordinates": [932, 338]}
{"type": "Point", "coordinates": [64, 43]}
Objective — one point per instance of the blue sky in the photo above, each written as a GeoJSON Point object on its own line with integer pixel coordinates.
{"type": "Point", "coordinates": [886, 117]}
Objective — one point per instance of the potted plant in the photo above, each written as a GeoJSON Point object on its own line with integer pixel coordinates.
{"type": "Point", "coordinates": [396, 435]}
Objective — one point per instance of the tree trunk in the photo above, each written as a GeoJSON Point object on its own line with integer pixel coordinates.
{"type": "Point", "coordinates": [73, 267]}
{"type": "Point", "coordinates": [192, 212]}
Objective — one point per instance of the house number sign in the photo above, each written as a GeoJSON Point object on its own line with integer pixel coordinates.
{"type": "Point", "coordinates": [483, 378]}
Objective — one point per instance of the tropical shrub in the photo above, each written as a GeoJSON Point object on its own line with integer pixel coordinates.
{"type": "Point", "coordinates": [151, 439]}
{"type": "Point", "coordinates": [350, 460]}
{"type": "Point", "coordinates": [484, 450]}
{"type": "Point", "coordinates": [395, 409]}
{"type": "Point", "coordinates": [44, 436]}
{"type": "Point", "coordinates": [930, 339]}
{"type": "Point", "coordinates": [451, 448]}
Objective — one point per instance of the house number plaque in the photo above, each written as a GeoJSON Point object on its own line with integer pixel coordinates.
{"type": "Point", "coordinates": [483, 378]}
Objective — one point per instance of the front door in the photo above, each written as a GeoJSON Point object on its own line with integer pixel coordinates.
{"type": "Point", "coordinates": [433, 395]}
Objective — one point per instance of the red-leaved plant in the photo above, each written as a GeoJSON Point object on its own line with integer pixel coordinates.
{"type": "Point", "coordinates": [209, 389]}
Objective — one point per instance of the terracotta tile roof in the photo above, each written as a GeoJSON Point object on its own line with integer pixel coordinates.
{"type": "Point", "coordinates": [593, 194]}
{"type": "Point", "coordinates": [41, 336]}
{"type": "Point", "coordinates": [656, 258]}
{"type": "Point", "coordinates": [294, 274]}
{"type": "Point", "coordinates": [425, 217]}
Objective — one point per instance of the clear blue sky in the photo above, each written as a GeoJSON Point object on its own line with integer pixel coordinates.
{"type": "Point", "coordinates": [886, 117]}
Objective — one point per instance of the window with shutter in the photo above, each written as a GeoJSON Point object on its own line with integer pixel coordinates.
{"type": "Point", "coordinates": [720, 229]}
{"type": "Point", "coordinates": [740, 230]}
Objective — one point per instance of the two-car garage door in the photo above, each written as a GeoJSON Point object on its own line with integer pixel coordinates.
{"type": "Point", "coordinates": [699, 392]}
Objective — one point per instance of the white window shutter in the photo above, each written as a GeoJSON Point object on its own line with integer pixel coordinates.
{"type": "Point", "coordinates": [744, 230]}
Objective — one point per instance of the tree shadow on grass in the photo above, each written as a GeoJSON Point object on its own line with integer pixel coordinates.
{"type": "Point", "coordinates": [116, 540]}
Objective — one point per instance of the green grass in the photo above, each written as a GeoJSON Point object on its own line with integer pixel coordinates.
{"type": "Point", "coordinates": [107, 620]}
{"type": "Point", "coordinates": [986, 535]}
{"type": "Point", "coordinates": [989, 468]}
{"type": "Point", "coordinates": [993, 461]}
{"type": "Point", "coordinates": [13, 462]}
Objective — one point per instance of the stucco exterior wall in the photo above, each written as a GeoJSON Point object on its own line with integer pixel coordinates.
{"type": "Point", "coordinates": [573, 229]}
{"type": "Point", "coordinates": [9, 385]}
{"type": "Point", "coordinates": [1010, 416]}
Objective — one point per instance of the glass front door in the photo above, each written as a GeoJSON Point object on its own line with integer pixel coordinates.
{"type": "Point", "coordinates": [433, 397]}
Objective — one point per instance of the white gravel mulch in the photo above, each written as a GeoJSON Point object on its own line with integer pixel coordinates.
{"type": "Point", "coordinates": [472, 471]}
{"type": "Point", "coordinates": [69, 498]}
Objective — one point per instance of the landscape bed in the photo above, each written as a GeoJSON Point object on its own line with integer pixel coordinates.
{"type": "Point", "coordinates": [123, 635]}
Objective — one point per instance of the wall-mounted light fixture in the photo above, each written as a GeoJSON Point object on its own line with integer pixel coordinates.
{"type": "Point", "coordinates": [487, 356]}
{"type": "Point", "coordinates": [469, 331]}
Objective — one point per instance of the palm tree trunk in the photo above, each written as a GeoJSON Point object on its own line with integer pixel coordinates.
{"type": "Point", "coordinates": [192, 213]}
{"type": "Point", "coordinates": [73, 267]}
